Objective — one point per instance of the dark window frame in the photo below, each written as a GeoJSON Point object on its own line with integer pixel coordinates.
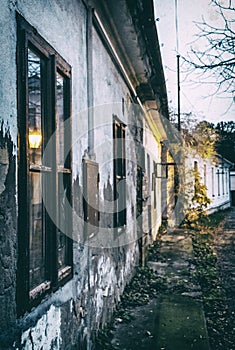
{"type": "Point", "coordinates": [53, 63]}
{"type": "Point", "coordinates": [119, 170]}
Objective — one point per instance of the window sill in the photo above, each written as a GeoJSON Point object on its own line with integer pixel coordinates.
{"type": "Point", "coordinates": [64, 272]}
{"type": "Point", "coordinates": [39, 290]}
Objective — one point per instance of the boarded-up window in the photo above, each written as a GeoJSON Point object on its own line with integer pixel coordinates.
{"type": "Point", "coordinates": [91, 197]}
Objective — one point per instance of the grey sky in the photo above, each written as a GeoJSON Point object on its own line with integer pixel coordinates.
{"type": "Point", "coordinates": [194, 97]}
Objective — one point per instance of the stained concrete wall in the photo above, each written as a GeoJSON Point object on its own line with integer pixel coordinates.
{"type": "Point", "coordinates": [8, 141]}
{"type": "Point", "coordinates": [8, 237]}
{"type": "Point", "coordinates": [66, 317]}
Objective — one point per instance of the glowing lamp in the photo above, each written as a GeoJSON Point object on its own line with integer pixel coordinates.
{"type": "Point", "coordinates": [35, 139]}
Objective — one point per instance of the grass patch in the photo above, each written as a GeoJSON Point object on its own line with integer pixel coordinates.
{"type": "Point", "coordinates": [213, 295]}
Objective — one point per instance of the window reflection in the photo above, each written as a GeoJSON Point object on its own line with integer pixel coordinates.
{"type": "Point", "coordinates": [37, 237]}
{"type": "Point", "coordinates": [62, 217]}
{"type": "Point", "coordinates": [64, 220]}
{"type": "Point", "coordinates": [36, 224]}
{"type": "Point", "coordinates": [60, 116]}
{"type": "Point", "coordinates": [34, 108]}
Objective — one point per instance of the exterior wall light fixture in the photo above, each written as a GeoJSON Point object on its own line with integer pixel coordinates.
{"type": "Point", "coordinates": [35, 139]}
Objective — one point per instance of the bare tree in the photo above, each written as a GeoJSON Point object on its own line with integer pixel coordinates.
{"type": "Point", "coordinates": [216, 59]}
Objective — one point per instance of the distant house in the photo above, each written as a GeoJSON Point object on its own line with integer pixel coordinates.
{"type": "Point", "coordinates": [214, 174]}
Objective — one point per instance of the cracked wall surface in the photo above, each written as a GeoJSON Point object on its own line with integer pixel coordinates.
{"type": "Point", "coordinates": [67, 316]}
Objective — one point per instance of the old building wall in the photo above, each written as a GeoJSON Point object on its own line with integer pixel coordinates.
{"type": "Point", "coordinates": [8, 175]}
{"type": "Point", "coordinates": [152, 204]}
{"type": "Point", "coordinates": [101, 269]}
{"type": "Point", "coordinates": [8, 238]}
{"type": "Point", "coordinates": [114, 252]}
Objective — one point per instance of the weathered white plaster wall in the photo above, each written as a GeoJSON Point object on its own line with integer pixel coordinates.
{"type": "Point", "coordinates": [100, 273]}
{"type": "Point", "coordinates": [46, 331]}
{"type": "Point", "coordinates": [110, 94]}
{"type": "Point", "coordinates": [63, 25]}
{"type": "Point", "coordinates": [153, 149]}
{"type": "Point", "coordinates": [8, 103]}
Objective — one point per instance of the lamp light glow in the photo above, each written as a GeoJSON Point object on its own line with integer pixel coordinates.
{"type": "Point", "coordinates": [35, 139]}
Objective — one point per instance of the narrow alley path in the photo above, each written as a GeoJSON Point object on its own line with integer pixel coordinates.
{"type": "Point", "coordinates": [174, 317]}
{"type": "Point", "coordinates": [180, 321]}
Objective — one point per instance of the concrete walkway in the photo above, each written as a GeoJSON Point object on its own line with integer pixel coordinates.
{"type": "Point", "coordinates": [180, 317]}
{"type": "Point", "coordinates": [176, 319]}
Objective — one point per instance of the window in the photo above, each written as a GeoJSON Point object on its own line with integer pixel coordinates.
{"type": "Point", "coordinates": [213, 181]}
{"type": "Point", "coordinates": [226, 180]}
{"type": "Point", "coordinates": [45, 249]}
{"type": "Point", "coordinates": [204, 172]}
{"type": "Point", "coordinates": [218, 181]}
{"type": "Point", "coordinates": [223, 176]}
{"type": "Point", "coordinates": [119, 165]}
{"type": "Point", "coordinates": [90, 197]}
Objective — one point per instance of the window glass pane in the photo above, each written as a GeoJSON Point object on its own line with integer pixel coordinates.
{"type": "Point", "coordinates": [119, 173]}
{"type": "Point", "coordinates": [119, 150]}
{"type": "Point", "coordinates": [205, 174]}
{"type": "Point", "coordinates": [36, 229]}
{"type": "Point", "coordinates": [34, 108]}
{"type": "Point", "coordinates": [60, 117]}
{"type": "Point", "coordinates": [123, 153]}
{"type": "Point", "coordinates": [64, 218]}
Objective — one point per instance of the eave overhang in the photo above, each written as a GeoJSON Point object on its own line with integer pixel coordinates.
{"type": "Point", "coordinates": [131, 28]}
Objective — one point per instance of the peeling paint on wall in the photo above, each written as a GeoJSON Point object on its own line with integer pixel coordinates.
{"type": "Point", "coordinates": [46, 334]}
{"type": "Point", "coordinates": [8, 240]}
{"type": "Point", "coordinates": [4, 166]}
{"type": "Point", "coordinates": [62, 318]}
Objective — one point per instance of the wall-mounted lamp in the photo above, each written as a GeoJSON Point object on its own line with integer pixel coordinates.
{"type": "Point", "coordinates": [35, 139]}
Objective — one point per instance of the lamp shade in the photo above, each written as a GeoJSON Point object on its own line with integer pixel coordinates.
{"type": "Point", "coordinates": [35, 139]}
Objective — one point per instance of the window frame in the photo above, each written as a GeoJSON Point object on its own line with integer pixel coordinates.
{"type": "Point", "coordinates": [218, 181]}
{"type": "Point", "coordinates": [119, 169]}
{"type": "Point", "coordinates": [28, 38]}
{"type": "Point", "coordinates": [213, 181]}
